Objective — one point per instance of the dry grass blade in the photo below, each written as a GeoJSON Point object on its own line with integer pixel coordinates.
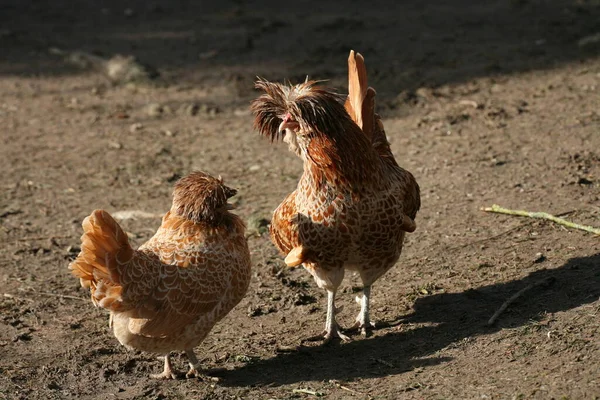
{"type": "Point", "coordinates": [541, 215]}
{"type": "Point", "coordinates": [311, 392]}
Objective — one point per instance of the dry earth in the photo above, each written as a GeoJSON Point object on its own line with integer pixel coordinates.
{"type": "Point", "coordinates": [485, 102]}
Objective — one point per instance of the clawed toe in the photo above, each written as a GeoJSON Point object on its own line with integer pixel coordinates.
{"type": "Point", "coordinates": [203, 376]}
{"type": "Point", "coordinates": [328, 337]}
{"type": "Point", "coordinates": [164, 375]}
{"type": "Point", "coordinates": [192, 373]}
{"type": "Point", "coordinates": [365, 329]}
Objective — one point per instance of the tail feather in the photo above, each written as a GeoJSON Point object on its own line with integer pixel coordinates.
{"type": "Point", "coordinates": [361, 98]}
{"type": "Point", "coordinates": [360, 105]}
{"type": "Point", "coordinates": [105, 251]}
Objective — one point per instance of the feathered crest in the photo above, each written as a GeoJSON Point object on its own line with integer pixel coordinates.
{"type": "Point", "coordinates": [336, 145]}
{"type": "Point", "coordinates": [316, 108]}
{"type": "Point", "coordinates": [200, 197]}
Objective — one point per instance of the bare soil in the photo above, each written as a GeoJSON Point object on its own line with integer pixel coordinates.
{"type": "Point", "coordinates": [485, 102]}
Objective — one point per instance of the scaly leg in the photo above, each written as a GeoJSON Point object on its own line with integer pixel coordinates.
{"type": "Point", "coordinates": [195, 368]}
{"type": "Point", "coordinates": [363, 321]}
{"type": "Point", "coordinates": [194, 364]}
{"type": "Point", "coordinates": [332, 329]}
{"type": "Point", "coordinates": [168, 371]}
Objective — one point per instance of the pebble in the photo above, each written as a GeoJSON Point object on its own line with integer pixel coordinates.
{"type": "Point", "coordinates": [136, 127]}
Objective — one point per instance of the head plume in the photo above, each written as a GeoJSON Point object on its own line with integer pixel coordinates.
{"type": "Point", "coordinates": [199, 197]}
{"type": "Point", "coordinates": [316, 108]}
{"type": "Point", "coordinates": [325, 135]}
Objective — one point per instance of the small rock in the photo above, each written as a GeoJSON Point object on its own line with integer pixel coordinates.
{"type": "Point", "coordinates": [254, 168]}
{"type": "Point", "coordinates": [23, 337]}
{"type": "Point", "coordinates": [191, 109]}
{"type": "Point", "coordinates": [136, 127]}
{"type": "Point", "coordinates": [539, 258]}
{"type": "Point", "coordinates": [124, 69]}
{"type": "Point", "coordinates": [115, 145]}
{"type": "Point", "coordinates": [154, 110]}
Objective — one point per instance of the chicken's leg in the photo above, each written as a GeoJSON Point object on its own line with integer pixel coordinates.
{"type": "Point", "coordinates": [168, 371]}
{"type": "Point", "coordinates": [332, 329]}
{"type": "Point", "coordinates": [194, 364]}
{"type": "Point", "coordinates": [193, 372]}
{"type": "Point", "coordinates": [363, 321]}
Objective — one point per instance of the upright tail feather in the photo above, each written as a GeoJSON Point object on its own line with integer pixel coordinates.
{"type": "Point", "coordinates": [360, 105]}
{"type": "Point", "coordinates": [361, 98]}
{"type": "Point", "coordinates": [105, 251]}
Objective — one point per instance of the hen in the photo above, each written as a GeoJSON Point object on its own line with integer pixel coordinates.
{"type": "Point", "coordinates": [169, 293]}
{"type": "Point", "coordinates": [353, 204]}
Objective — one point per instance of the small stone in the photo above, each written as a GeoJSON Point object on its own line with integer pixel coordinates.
{"type": "Point", "coordinates": [191, 109]}
{"type": "Point", "coordinates": [154, 110]}
{"type": "Point", "coordinates": [136, 127]}
{"type": "Point", "coordinates": [539, 258]}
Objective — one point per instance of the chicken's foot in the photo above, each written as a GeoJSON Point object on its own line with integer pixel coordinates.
{"type": "Point", "coordinates": [332, 328]}
{"type": "Point", "coordinates": [195, 367]}
{"type": "Point", "coordinates": [167, 372]}
{"type": "Point", "coordinates": [363, 321]}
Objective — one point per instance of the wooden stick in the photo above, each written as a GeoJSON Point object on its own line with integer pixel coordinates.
{"type": "Point", "coordinates": [306, 391]}
{"type": "Point", "coordinates": [541, 215]}
{"type": "Point", "coordinates": [504, 306]}
{"type": "Point", "coordinates": [339, 385]}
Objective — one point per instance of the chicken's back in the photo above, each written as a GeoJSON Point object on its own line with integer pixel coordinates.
{"type": "Point", "coordinates": [199, 275]}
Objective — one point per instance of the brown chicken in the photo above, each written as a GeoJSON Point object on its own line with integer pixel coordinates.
{"type": "Point", "coordinates": [169, 293]}
{"type": "Point", "coordinates": [353, 204]}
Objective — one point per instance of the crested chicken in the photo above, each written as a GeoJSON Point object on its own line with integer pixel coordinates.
{"type": "Point", "coordinates": [169, 293]}
{"type": "Point", "coordinates": [353, 204]}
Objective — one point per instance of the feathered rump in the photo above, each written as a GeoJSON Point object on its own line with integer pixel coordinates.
{"type": "Point", "coordinates": [105, 251]}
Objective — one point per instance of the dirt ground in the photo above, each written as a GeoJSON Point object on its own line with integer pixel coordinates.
{"type": "Point", "coordinates": [485, 102]}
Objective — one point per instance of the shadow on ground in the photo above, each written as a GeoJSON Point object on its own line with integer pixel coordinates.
{"type": "Point", "coordinates": [408, 44]}
{"type": "Point", "coordinates": [455, 316]}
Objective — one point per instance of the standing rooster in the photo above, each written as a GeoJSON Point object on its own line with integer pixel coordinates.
{"type": "Point", "coordinates": [353, 204]}
{"type": "Point", "coordinates": [168, 294]}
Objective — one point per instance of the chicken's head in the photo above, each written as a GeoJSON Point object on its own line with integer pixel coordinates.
{"type": "Point", "coordinates": [200, 197]}
{"type": "Point", "coordinates": [298, 113]}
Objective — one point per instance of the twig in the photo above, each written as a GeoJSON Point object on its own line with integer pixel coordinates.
{"type": "Point", "coordinates": [306, 391]}
{"type": "Point", "coordinates": [12, 296]}
{"type": "Point", "coordinates": [387, 364]}
{"type": "Point", "coordinates": [62, 296]}
{"type": "Point", "coordinates": [504, 306]}
{"type": "Point", "coordinates": [346, 388]}
{"type": "Point", "coordinates": [541, 215]}
{"type": "Point", "coordinates": [487, 239]}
